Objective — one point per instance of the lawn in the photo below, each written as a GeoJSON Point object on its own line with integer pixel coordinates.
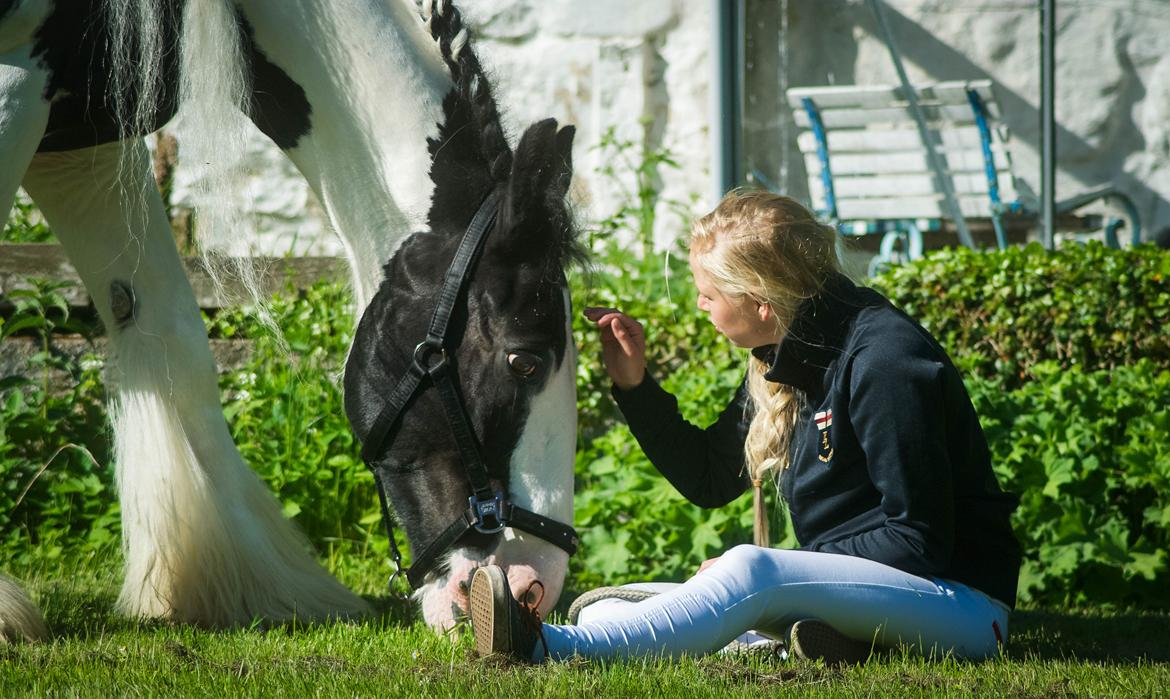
{"type": "Point", "coordinates": [94, 652]}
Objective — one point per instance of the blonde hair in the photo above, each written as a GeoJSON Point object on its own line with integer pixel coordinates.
{"type": "Point", "coordinates": [771, 248]}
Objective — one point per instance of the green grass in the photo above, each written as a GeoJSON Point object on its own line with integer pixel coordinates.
{"type": "Point", "coordinates": [95, 652]}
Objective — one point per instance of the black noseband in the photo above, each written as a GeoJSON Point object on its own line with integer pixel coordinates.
{"type": "Point", "coordinates": [487, 511]}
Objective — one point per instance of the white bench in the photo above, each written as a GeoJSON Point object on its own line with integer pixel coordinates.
{"type": "Point", "coordinates": [869, 171]}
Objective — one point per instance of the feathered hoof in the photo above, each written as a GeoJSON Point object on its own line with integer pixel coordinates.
{"type": "Point", "coordinates": [20, 620]}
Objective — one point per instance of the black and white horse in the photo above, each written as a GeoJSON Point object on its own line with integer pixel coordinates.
{"type": "Point", "coordinates": [390, 119]}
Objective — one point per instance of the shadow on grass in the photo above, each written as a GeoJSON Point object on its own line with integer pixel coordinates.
{"type": "Point", "coordinates": [85, 606]}
{"type": "Point", "coordinates": [1118, 638]}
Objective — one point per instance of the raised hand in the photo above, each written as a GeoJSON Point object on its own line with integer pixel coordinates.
{"type": "Point", "coordinates": [623, 346]}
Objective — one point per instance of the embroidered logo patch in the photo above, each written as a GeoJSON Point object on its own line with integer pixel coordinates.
{"type": "Point", "coordinates": [824, 421]}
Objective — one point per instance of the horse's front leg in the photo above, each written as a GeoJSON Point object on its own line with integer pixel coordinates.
{"type": "Point", "coordinates": [23, 115]}
{"type": "Point", "coordinates": [204, 539]}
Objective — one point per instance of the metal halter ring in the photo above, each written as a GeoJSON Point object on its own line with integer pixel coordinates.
{"type": "Point", "coordinates": [424, 352]}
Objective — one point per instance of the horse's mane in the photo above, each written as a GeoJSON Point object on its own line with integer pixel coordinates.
{"type": "Point", "coordinates": [445, 24]}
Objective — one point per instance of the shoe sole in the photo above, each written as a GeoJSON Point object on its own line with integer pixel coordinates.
{"type": "Point", "coordinates": [491, 630]}
{"type": "Point", "coordinates": [813, 639]}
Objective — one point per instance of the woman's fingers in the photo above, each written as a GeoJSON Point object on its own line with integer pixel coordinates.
{"type": "Point", "coordinates": [627, 331]}
{"type": "Point", "coordinates": [611, 317]}
{"type": "Point", "coordinates": [629, 335]}
{"type": "Point", "coordinates": [623, 345]}
{"type": "Point", "coordinates": [595, 313]}
{"type": "Point", "coordinates": [611, 321]}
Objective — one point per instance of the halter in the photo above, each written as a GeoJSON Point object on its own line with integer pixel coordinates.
{"type": "Point", "coordinates": [488, 511]}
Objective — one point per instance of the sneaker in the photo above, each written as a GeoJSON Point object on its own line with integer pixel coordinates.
{"type": "Point", "coordinates": [813, 639]}
{"type": "Point", "coordinates": [597, 594]}
{"type": "Point", "coordinates": [502, 625]}
{"type": "Point", "coordinates": [764, 649]}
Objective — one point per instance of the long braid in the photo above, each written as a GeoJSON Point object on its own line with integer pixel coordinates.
{"type": "Point", "coordinates": [445, 24]}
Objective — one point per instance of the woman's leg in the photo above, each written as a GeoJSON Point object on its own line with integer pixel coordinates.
{"type": "Point", "coordinates": [769, 589]}
{"type": "Point", "coordinates": [617, 607]}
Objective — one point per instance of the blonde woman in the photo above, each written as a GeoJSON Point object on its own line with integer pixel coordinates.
{"type": "Point", "coordinates": [862, 420]}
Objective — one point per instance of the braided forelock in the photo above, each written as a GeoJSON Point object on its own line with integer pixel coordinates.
{"type": "Point", "coordinates": [445, 23]}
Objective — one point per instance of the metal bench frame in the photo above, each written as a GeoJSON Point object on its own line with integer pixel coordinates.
{"type": "Point", "coordinates": [903, 237]}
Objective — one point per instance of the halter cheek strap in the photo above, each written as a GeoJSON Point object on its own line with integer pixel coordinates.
{"type": "Point", "coordinates": [488, 511]}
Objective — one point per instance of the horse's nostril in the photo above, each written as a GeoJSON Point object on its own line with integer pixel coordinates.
{"type": "Point", "coordinates": [464, 587]}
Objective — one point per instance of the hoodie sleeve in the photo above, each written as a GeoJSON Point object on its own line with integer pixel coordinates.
{"type": "Point", "coordinates": [705, 465]}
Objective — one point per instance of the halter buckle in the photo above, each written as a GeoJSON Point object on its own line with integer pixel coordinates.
{"type": "Point", "coordinates": [488, 513]}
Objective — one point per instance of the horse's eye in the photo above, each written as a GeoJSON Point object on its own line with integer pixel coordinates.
{"type": "Point", "coordinates": [523, 364]}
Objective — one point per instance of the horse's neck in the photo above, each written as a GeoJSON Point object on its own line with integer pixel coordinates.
{"type": "Point", "coordinates": [375, 83]}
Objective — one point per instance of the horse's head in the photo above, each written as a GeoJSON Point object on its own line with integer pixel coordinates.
{"type": "Point", "coordinates": [508, 345]}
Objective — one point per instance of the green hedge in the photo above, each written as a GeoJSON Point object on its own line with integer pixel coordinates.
{"type": "Point", "coordinates": [1066, 355]}
{"type": "Point", "coordinates": [633, 524]}
{"type": "Point", "coordinates": [1088, 454]}
{"type": "Point", "coordinates": [56, 490]}
{"type": "Point", "coordinates": [1000, 314]}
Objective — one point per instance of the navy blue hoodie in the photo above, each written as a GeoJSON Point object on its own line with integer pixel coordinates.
{"type": "Point", "coordinates": [889, 462]}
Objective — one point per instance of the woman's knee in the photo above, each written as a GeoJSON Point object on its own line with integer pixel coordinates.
{"type": "Point", "coordinates": [742, 558]}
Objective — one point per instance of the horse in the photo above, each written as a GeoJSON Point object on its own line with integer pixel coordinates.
{"type": "Point", "coordinates": [386, 111]}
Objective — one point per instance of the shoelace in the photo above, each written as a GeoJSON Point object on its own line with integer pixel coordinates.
{"type": "Point", "coordinates": [531, 616]}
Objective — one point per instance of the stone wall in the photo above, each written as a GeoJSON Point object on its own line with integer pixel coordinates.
{"type": "Point", "coordinates": [1112, 81]}
{"type": "Point", "coordinates": [643, 69]}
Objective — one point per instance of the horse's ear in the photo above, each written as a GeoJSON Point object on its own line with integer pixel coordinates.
{"type": "Point", "coordinates": [541, 169]}
{"type": "Point", "coordinates": [564, 152]}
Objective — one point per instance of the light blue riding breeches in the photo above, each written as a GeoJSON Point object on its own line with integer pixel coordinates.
{"type": "Point", "coordinates": [768, 590]}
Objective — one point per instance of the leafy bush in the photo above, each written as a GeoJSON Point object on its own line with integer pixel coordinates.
{"type": "Point", "coordinates": [55, 491]}
{"type": "Point", "coordinates": [1088, 455]}
{"type": "Point", "coordinates": [1066, 355]}
{"type": "Point", "coordinates": [633, 524]}
{"type": "Point", "coordinates": [1000, 314]}
{"type": "Point", "coordinates": [1084, 446]}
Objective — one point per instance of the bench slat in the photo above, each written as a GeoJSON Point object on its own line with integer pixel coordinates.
{"type": "Point", "coordinates": [945, 116]}
{"type": "Point", "coordinates": [884, 140]}
{"type": "Point", "coordinates": [909, 207]}
{"type": "Point", "coordinates": [951, 92]}
{"type": "Point", "coordinates": [908, 163]}
{"type": "Point", "coordinates": [878, 161]}
{"type": "Point", "coordinates": [905, 186]}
